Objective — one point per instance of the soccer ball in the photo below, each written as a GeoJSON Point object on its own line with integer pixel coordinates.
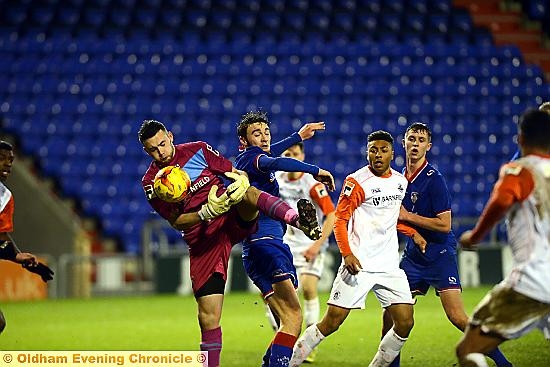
{"type": "Point", "coordinates": [171, 184]}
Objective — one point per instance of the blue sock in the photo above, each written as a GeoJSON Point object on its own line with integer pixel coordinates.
{"type": "Point", "coordinates": [396, 361]}
{"type": "Point", "coordinates": [499, 358]}
{"type": "Point", "coordinates": [281, 350]}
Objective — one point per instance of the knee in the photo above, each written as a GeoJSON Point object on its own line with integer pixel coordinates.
{"type": "Point", "coordinates": [403, 327]}
{"type": "Point", "coordinates": [208, 320]}
{"type": "Point", "coordinates": [458, 319]}
{"type": "Point", "coordinates": [310, 293]}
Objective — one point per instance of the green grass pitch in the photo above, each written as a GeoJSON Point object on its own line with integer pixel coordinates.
{"type": "Point", "coordinates": [169, 323]}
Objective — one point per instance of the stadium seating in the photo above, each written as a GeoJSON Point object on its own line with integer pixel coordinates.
{"type": "Point", "coordinates": [80, 77]}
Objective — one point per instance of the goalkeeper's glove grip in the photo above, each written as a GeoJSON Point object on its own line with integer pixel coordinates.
{"type": "Point", "coordinates": [41, 269]}
{"type": "Point", "coordinates": [205, 213]}
{"type": "Point", "coordinates": [7, 250]}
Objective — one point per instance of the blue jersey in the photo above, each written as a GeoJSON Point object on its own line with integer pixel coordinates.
{"type": "Point", "coordinates": [247, 161]}
{"type": "Point", "coordinates": [428, 196]}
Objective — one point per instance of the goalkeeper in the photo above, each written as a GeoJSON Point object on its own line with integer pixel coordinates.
{"type": "Point", "coordinates": [8, 249]}
{"type": "Point", "coordinates": [211, 218]}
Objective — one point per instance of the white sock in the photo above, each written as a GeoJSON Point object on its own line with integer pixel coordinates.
{"type": "Point", "coordinates": [474, 360]}
{"type": "Point", "coordinates": [271, 318]}
{"type": "Point", "coordinates": [388, 349]}
{"type": "Point", "coordinates": [307, 342]}
{"type": "Point", "coordinates": [311, 311]}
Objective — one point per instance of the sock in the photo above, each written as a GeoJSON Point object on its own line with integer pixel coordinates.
{"type": "Point", "coordinates": [212, 343]}
{"type": "Point", "coordinates": [311, 311]}
{"type": "Point", "coordinates": [307, 342]}
{"type": "Point", "coordinates": [388, 349]}
{"type": "Point", "coordinates": [281, 349]}
{"type": "Point", "coordinates": [276, 208]}
{"type": "Point", "coordinates": [265, 359]}
{"type": "Point", "coordinates": [499, 358]}
{"type": "Point", "coordinates": [474, 360]}
{"type": "Point", "coordinates": [271, 318]}
{"type": "Point", "coordinates": [397, 361]}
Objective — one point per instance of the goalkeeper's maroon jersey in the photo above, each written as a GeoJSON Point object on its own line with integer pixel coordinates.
{"type": "Point", "coordinates": [204, 166]}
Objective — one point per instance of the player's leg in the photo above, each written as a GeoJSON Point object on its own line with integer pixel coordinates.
{"type": "Point", "coordinates": [313, 335]}
{"type": "Point", "coordinates": [286, 306]}
{"type": "Point", "coordinates": [473, 346]}
{"type": "Point", "coordinates": [210, 301]}
{"type": "Point", "coordinates": [312, 305]}
{"type": "Point", "coordinates": [451, 300]}
{"type": "Point", "coordinates": [2, 322]}
{"type": "Point", "coordinates": [255, 200]}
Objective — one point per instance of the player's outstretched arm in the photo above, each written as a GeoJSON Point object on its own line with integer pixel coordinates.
{"type": "Point", "coordinates": [308, 130]}
{"type": "Point", "coordinates": [440, 223]}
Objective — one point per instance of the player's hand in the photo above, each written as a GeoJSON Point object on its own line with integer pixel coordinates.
{"type": "Point", "coordinates": [25, 258]}
{"type": "Point", "coordinates": [237, 189]}
{"type": "Point", "coordinates": [326, 178]}
{"type": "Point", "coordinates": [466, 241]}
{"type": "Point", "coordinates": [420, 242]}
{"type": "Point", "coordinates": [41, 269]}
{"type": "Point", "coordinates": [215, 206]}
{"type": "Point", "coordinates": [311, 252]}
{"type": "Point", "coordinates": [352, 264]}
{"type": "Point", "coordinates": [308, 130]}
{"type": "Point", "coordinates": [403, 214]}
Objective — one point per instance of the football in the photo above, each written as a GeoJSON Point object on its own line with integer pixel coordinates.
{"type": "Point", "coordinates": [172, 184]}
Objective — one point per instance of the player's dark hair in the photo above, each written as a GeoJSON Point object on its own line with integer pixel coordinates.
{"type": "Point", "coordinates": [149, 128]}
{"type": "Point", "coordinates": [380, 135]}
{"type": "Point", "coordinates": [299, 144]}
{"type": "Point", "coordinates": [420, 127]}
{"type": "Point", "coordinates": [534, 126]}
{"type": "Point", "coordinates": [248, 119]}
{"type": "Point", "coordinates": [4, 145]}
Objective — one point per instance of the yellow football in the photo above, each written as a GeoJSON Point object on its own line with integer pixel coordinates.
{"type": "Point", "coordinates": [172, 184]}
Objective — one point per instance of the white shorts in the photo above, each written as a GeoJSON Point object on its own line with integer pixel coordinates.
{"type": "Point", "coordinates": [350, 291]}
{"type": "Point", "coordinates": [509, 314]}
{"type": "Point", "coordinates": [311, 268]}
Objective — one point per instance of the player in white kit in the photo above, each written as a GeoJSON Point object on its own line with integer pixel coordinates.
{"type": "Point", "coordinates": [521, 302]}
{"type": "Point", "coordinates": [366, 233]}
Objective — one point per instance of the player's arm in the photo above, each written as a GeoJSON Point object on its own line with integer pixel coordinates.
{"type": "Point", "coordinates": [319, 195]}
{"type": "Point", "coordinates": [514, 185]}
{"type": "Point", "coordinates": [306, 132]}
{"type": "Point", "coordinates": [351, 197]}
{"type": "Point", "coordinates": [409, 231]}
{"type": "Point", "coordinates": [440, 223]}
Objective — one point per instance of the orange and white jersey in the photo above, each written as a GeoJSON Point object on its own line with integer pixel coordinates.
{"type": "Point", "coordinates": [366, 218]}
{"type": "Point", "coordinates": [6, 209]}
{"type": "Point", "coordinates": [523, 191]}
{"type": "Point", "coordinates": [309, 188]}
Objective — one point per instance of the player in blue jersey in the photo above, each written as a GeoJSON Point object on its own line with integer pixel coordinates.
{"type": "Point", "coordinates": [267, 260]}
{"type": "Point", "coordinates": [427, 207]}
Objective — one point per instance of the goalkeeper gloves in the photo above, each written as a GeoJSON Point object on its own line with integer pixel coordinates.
{"type": "Point", "coordinates": [215, 205]}
{"type": "Point", "coordinates": [237, 189]}
{"type": "Point", "coordinates": [41, 269]}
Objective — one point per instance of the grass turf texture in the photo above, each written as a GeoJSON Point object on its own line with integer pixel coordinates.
{"type": "Point", "coordinates": [169, 323]}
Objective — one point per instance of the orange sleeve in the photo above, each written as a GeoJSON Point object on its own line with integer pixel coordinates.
{"type": "Point", "coordinates": [320, 195]}
{"type": "Point", "coordinates": [406, 229]}
{"type": "Point", "coordinates": [351, 197]}
{"type": "Point", "coordinates": [6, 217]}
{"type": "Point", "coordinates": [514, 185]}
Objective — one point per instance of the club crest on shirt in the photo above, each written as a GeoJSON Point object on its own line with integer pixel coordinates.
{"type": "Point", "coordinates": [348, 188]}
{"type": "Point", "coordinates": [414, 197]}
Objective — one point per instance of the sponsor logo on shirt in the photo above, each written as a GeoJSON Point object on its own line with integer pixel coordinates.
{"type": "Point", "coordinates": [321, 191]}
{"type": "Point", "coordinates": [375, 191]}
{"type": "Point", "coordinates": [149, 192]}
{"type": "Point", "coordinates": [452, 280]}
{"type": "Point", "coordinates": [392, 199]}
{"type": "Point", "coordinates": [200, 183]}
{"type": "Point", "coordinates": [400, 187]}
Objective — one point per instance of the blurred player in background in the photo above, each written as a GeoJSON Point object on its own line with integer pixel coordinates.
{"type": "Point", "coordinates": [8, 248]}
{"type": "Point", "coordinates": [427, 207]}
{"type": "Point", "coordinates": [266, 258]}
{"type": "Point", "coordinates": [545, 107]}
{"type": "Point", "coordinates": [211, 218]}
{"type": "Point", "coordinates": [308, 255]}
{"type": "Point", "coordinates": [366, 232]}
{"type": "Point", "coordinates": [521, 302]}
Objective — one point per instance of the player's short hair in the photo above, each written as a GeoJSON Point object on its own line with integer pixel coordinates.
{"type": "Point", "coordinates": [250, 118]}
{"type": "Point", "coordinates": [149, 128]}
{"type": "Point", "coordinates": [299, 144]}
{"type": "Point", "coordinates": [380, 135]}
{"type": "Point", "coordinates": [4, 145]}
{"type": "Point", "coordinates": [420, 127]}
{"type": "Point", "coordinates": [545, 107]}
{"type": "Point", "coordinates": [534, 126]}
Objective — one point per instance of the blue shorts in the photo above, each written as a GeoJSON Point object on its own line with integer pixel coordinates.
{"type": "Point", "coordinates": [441, 274]}
{"type": "Point", "coordinates": [268, 261]}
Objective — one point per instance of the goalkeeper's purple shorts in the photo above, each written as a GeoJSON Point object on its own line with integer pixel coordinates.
{"type": "Point", "coordinates": [210, 245]}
